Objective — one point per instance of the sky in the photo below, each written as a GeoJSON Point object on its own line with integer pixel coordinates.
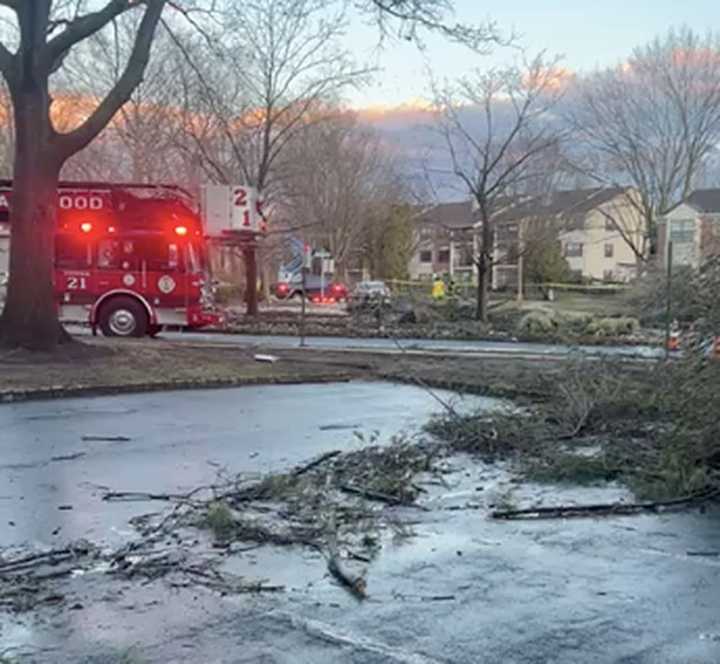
{"type": "Point", "coordinates": [588, 35]}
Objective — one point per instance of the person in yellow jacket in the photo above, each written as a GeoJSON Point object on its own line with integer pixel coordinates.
{"type": "Point", "coordinates": [438, 288]}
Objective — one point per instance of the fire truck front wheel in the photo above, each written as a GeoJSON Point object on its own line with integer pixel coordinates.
{"type": "Point", "coordinates": [123, 317]}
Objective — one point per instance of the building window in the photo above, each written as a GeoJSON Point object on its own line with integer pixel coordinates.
{"type": "Point", "coordinates": [610, 224]}
{"type": "Point", "coordinates": [444, 256]}
{"type": "Point", "coordinates": [609, 250]}
{"type": "Point", "coordinates": [607, 275]}
{"type": "Point", "coordinates": [426, 256]}
{"type": "Point", "coordinates": [682, 232]}
{"type": "Point", "coordinates": [574, 249]}
{"type": "Point", "coordinates": [576, 224]}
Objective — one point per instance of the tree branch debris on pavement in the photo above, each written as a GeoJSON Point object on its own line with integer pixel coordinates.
{"type": "Point", "coordinates": [602, 424]}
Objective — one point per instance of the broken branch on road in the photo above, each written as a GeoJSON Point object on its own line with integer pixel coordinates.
{"type": "Point", "coordinates": [604, 509]}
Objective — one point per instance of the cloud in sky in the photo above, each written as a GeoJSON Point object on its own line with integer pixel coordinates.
{"type": "Point", "coordinates": [588, 35]}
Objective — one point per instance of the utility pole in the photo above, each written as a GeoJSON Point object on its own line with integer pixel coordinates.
{"type": "Point", "coordinates": [520, 265]}
{"type": "Point", "coordinates": [668, 304]}
{"type": "Point", "coordinates": [306, 264]}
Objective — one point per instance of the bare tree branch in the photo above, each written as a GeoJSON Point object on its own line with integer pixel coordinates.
{"type": "Point", "coordinates": [85, 26]}
{"type": "Point", "coordinates": [76, 140]}
{"type": "Point", "coordinates": [653, 122]}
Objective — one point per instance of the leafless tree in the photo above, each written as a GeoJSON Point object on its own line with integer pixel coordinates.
{"type": "Point", "coordinates": [352, 177]}
{"type": "Point", "coordinates": [278, 65]}
{"type": "Point", "coordinates": [502, 148]}
{"type": "Point", "coordinates": [651, 123]}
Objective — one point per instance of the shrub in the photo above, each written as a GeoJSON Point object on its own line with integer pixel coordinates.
{"type": "Point", "coordinates": [612, 327]}
{"type": "Point", "coordinates": [574, 322]}
{"type": "Point", "coordinates": [537, 323]}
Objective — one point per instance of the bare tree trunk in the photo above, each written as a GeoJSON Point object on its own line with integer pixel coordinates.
{"type": "Point", "coordinates": [30, 303]}
{"type": "Point", "coordinates": [481, 309]}
{"type": "Point", "coordinates": [484, 265]}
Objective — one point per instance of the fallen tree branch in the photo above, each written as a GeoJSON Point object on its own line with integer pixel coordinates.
{"type": "Point", "coordinates": [301, 470]}
{"type": "Point", "coordinates": [603, 509]}
{"type": "Point", "coordinates": [376, 495]}
{"type": "Point", "coordinates": [130, 496]}
{"type": "Point", "coordinates": [53, 557]}
{"type": "Point", "coordinates": [353, 582]}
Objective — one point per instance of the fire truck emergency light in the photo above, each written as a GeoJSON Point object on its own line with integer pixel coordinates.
{"type": "Point", "coordinates": [181, 230]}
{"type": "Point", "coordinates": [86, 227]}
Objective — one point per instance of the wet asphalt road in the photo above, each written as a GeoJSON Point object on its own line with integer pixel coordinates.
{"type": "Point", "coordinates": [339, 343]}
{"type": "Point", "coordinates": [51, 478]}
{"type": "Point", "coordinates": [509, 348]}
{"type": "Point", "coordinates": [462, 590]}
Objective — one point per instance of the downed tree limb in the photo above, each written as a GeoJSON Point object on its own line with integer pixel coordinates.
{"type": "Point", "coordinates": [130, 496]}
{"type": "Point", "coordinates": [376, 495]}
{"type": "Point", "coordinates": [603, 509]}
{"type": "Point", "coordinates": [301, 470]}
{"type": "Point", "coordinates": [355, 583]}
{"type": "Point", "coordinates": [52, 557]}
{"type": "Point", "coordinates": [106, 439]}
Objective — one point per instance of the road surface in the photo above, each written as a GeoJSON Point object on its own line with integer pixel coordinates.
{"type": "Point", "coordinates": [462, 589]}
{"type": "Point", "coordinates": [176, 441]}
{"type": "Point", "coordinates": [434, 345]}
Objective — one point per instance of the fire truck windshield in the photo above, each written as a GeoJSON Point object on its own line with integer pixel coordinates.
{"type": "Point", "coordinates": [72, 252]}
{"type": "Point", "coordinates": [154, 253]}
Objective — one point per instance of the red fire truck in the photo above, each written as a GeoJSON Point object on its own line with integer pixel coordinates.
{"type": "Point", "coordinates": [129, 259]}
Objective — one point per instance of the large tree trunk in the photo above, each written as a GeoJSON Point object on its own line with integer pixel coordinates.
{"type": "Point", "coordinates": [30, 317]}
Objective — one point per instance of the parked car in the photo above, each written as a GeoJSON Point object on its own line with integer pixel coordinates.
{"type": "Point", "coordinates": [370, 293]}
{"type": "Point", "coordinates": [317, 291]}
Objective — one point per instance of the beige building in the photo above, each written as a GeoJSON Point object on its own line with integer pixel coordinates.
{"type": "Point", "coordinates": [694, 228]}
{"type": "Point", "coordinates": [600, 232]}
{"type": "Point", "coordinates": [444, 241]}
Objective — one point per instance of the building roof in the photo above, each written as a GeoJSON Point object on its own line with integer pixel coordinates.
{"type": "Point", "coordinates": [449, 215]}
{"type": "Point", "coordinates": [570, 203]}
{"type": "Point", "coordinates": [705, 200]}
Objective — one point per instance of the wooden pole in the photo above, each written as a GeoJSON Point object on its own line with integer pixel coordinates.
{"type": "Point", "coordinates": [668, 303]}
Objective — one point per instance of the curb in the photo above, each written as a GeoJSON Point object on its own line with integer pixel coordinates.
{"type": "Point", "coordinates": [489, 391]}
{"type": "Point", "coordinates": [58, 392]}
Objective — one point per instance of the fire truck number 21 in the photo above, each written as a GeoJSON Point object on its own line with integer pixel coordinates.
{"type": "Point", "coordinates": [76, 283]}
